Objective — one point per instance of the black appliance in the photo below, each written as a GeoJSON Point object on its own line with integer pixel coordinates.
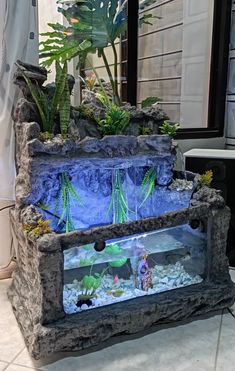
{"type": "Point", "coordinates": [222, 163]}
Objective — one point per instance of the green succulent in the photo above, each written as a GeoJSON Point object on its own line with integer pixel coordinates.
{"type": "Point", "coordinates": [115, 121]}
{"type": "Point", "coordinates": [205, 179]}
{"type": "Point", "coordinates": [169, 129]}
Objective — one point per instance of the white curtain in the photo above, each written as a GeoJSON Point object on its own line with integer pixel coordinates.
{"type": "Point", "coordinates": [18, 40]}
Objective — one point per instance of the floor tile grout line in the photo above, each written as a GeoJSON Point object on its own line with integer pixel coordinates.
{"type": "Point", "coordinates": [12, 361]}
{"type": "Point", "coordinates": [218, 340]}
{"type": "Point", "coordinates": [7, 364]}
{"type": "Point", "coordinates": [25, 366]}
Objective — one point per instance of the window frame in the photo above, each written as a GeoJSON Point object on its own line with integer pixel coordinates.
{"type": "Point", "coordinates": [218, 71]}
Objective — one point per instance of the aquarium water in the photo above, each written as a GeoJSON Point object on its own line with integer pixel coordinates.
{"type": "Point", "coordinates": [134, 266]}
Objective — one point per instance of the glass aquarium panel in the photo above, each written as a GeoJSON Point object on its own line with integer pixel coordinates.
{"type": "Point", "coordinates": [99, 274]}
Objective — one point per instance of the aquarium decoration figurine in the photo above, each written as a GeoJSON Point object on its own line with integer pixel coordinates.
{"type": "Point", "coordinates": [111, 239]}
{"type": "Point", "coordinates": [144, 275]}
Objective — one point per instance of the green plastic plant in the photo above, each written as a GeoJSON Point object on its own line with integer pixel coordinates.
{"type": "Point", "coordinates": [84, 262]}
{"type": "Point", "coordinates": [148, 184]}
{"type": "Point", "coordinates": [169, 129]}
{"type": "Point", "coordinates": [92, 26]}
{"type": "Point", "coordinates": [206, 179]}
{"type": "Point", "coordinates": [60, 102]}
{"type": "Point", "coordinates": [118, 204]}
{"type": "Point", "coordinates": [115, 121]}
{"type": "Point", "coordinates": [90, 283]}
{"type": "Point", "coordinates": [113, 249]}
{"type": "Point", "coordinates": [67, 193]}
{"type": "Point", "coordinates": [118, 263]}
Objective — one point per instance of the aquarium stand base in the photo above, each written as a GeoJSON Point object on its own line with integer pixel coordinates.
{"type": "Point", "coordinates": [83, 330]}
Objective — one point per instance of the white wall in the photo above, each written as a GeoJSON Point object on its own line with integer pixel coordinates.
{"type": "Point", "coordinates": [215, 143]}
{"type": "Point", "coordinates": [47, 13]}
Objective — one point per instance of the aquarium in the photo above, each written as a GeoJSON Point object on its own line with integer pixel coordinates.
{"type": "Point", "coordinates": [103, 273]}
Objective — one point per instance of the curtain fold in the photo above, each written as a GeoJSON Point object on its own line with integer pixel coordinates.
{"type": "Point", "coordinates": [18, 40]}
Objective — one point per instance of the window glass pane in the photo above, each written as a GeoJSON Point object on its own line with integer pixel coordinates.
{"type": "Point", "coordinates": [174, 59]}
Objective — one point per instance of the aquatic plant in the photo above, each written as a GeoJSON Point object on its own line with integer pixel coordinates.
{"type": "Point", "coordinates": [84, 262]}
{"type": "Point", "coordinates": [60, 102]}
{"type": "Point", "coordinates": [67, 193]}
{"type": "Point", "coordinates": [205, 179]}
{"type": "Point", "coordinates": [118, 263]}
{"type": "Point", "coordinates": [148, 184]}
{"type": "Point", "coordinates": [90, 283]}
{"type": "Point", "coordinates": [115, 121]}
{"type": "Point", "coordinates": [39, 229]}
{"type": "Point", "coordinates": [118, 204]}
{"type": "Point", "coordinates": [92, 26]}
{"type": "Point", "coordinates": [169, 129]}
{"type": "Point", "coordinates": [113, 249]}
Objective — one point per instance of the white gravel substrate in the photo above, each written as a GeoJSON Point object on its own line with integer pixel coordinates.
{"type": "Point", "coordinates": [164, 278]}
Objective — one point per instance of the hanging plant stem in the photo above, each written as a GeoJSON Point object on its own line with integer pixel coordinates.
{"type": "Point", "coordinates": [148, 184]}
{"type": "Point", "coordinates": [118, 204]}
{"type": "Point", "coordinates": [67, 193]}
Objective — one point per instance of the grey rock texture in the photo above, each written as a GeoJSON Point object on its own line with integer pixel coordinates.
{"type": "Point", "coordinates": [26, 111]}
{"type": "Point", "coordinates": [51, 158]}
{"type": "Point", "coordinates": [142, 121]}
{"type": "Point", "coordinates": [208, 196]}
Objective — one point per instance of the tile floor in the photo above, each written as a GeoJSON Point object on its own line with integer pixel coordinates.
{"type": "Point", "coordinates": [202, 345]}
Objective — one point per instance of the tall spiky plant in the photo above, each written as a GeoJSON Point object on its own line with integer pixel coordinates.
{"type": "Point", "coordinates": [39, 98]}
{"type": "Point", "coordinates": [67, 193]}
{"type": "Point", "coordinates": [60, 102]}
{"type": "Point", "coordinates": [118, 204]}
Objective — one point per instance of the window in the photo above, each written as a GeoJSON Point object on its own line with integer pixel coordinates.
{"type": "Point", "coordinates": [182, 59]}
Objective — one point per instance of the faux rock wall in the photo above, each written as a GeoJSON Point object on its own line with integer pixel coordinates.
{"type": "Point", "coordinates": [90, 164]}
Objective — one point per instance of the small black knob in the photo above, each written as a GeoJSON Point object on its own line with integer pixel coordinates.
{"type": "Point", "coordinates": [194, 224]}
{"type": "Point", "coordinates": [99, 246]}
